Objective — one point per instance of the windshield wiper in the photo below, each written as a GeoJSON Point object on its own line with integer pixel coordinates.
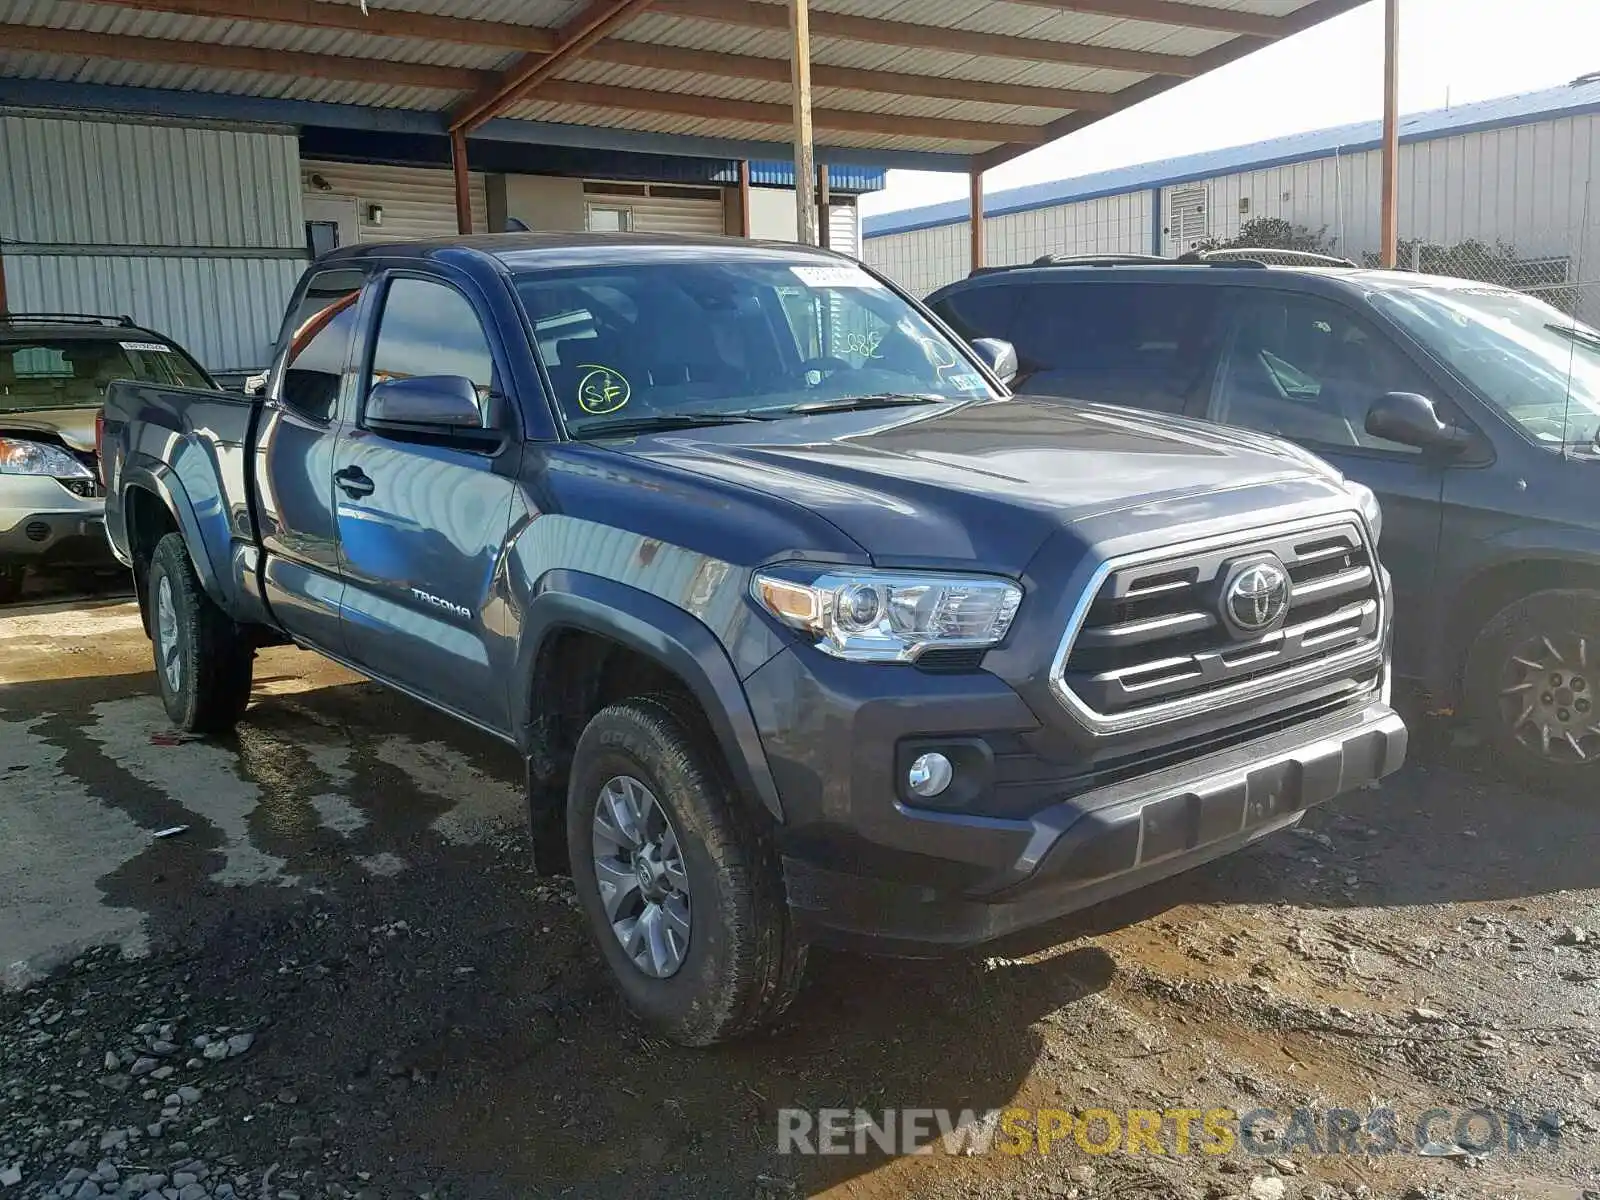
{"type": "Point", "coordinates": [660, 421]}
{"type": "Point", "coordinates": [862, 403]}
{"type": "Point", "coordinates": [1577, 335]}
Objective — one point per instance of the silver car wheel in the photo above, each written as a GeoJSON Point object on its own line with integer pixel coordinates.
{"type": "Point", "coordinates": [639, 869]}
{"type": "Point", "coordinates": [167, 636]}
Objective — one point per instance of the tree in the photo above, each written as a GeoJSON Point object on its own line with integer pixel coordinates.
{"type": "Point", "coordinates": [1272, 233]}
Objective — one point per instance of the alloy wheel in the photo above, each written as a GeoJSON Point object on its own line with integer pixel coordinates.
{"type": "Point", "coordinates": [167, 636]}
{"type": "Point", "coordinates": [638, 866]}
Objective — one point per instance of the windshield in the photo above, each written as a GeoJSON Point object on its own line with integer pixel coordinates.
{"type": "Point", "coordinates": [1536, 364]}
{"type": "Point", "coordinates": [72, 372]}
{"type": "Point", "coordinates": [702, 342]}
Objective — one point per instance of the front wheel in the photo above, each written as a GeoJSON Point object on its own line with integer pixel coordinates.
{"type": "Point", "coordinates": [1533, 675]}
{"type": "Point", "coordinates": [681, 886]}
{"type": "Point", "coordinates": [204, 662]}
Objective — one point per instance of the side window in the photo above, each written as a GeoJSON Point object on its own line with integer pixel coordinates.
{"type": "Point", "coordinates": [978, 312]}
{"type": "Point", "coordinates": [429, 328]}
{"type": "Point", "coordinates": [1145, 345]}
{"type": "Point", "coordinates": [1308, 369]}
{"type": "Point", "coordinates": [319, 344]}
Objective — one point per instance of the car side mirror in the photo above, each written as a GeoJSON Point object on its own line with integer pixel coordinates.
{"type": "Point", "coordinates": [998, 355]}
{"type": "Point", "coordinates": [1412, 420]}
{"type": "Point", "coordinates": [440, 401]}
{"type": "Point", "coordinates": [255, 385]}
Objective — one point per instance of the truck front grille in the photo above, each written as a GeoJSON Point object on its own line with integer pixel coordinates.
{"type": "Point", "coordinates": [1160, 639]}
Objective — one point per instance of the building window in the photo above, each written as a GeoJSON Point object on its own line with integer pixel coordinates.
{"type": "Point", "coordinates": [610, 218]}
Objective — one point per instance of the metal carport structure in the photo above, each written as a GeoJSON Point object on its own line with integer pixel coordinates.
{"type": "Point", "coordinates": [959, 85]}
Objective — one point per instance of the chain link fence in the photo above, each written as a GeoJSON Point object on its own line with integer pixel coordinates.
{"type": "Point", "coordinates": [1561, 268]}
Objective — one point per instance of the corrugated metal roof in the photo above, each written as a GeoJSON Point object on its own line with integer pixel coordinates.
{"type": "Point", "coordinates": [1522, 109]}
{"type": "Point", "coordinates": [1008, 26]}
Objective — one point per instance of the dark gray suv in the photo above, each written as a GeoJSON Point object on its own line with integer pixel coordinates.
{"type": "Point", "coordinates": [1471, 410]}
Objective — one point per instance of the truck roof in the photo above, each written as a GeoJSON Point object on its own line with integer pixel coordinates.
{"type": "Point", "coordinates": [575, 248]}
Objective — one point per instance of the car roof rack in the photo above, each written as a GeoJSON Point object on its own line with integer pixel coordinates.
{"type": "Point", "coordinates": [1263, 256]}
{"type": "Point", "coordinates": [48, 318]}
{"type": "Point", "coordinates": [1258, 259]}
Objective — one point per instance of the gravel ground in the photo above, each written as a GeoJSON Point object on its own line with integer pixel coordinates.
{"type": "Point", "coordinates": [341, 979]}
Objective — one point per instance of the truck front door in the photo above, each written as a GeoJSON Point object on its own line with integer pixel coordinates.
{"type": "Point", "coordinates": [423, 515]}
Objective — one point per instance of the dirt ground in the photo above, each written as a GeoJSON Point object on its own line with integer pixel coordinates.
{"type": "Point", "coordinates": [340, 978]}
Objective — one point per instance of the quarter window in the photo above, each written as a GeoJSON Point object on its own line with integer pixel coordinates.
{"type": "Point", "coordinates": [319, 344]}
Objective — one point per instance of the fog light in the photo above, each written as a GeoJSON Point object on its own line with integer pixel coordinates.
{"type": "Point", "coordinates": [930, 774]}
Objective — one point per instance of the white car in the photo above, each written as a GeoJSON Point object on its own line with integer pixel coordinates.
{"type": "Point", "coordinates": [54, 369]}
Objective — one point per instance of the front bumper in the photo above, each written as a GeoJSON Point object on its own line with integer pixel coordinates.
{"type": "Point", "coordinates": [1098, 844]}
{"type": "Point", "coordinates": [60, 534]}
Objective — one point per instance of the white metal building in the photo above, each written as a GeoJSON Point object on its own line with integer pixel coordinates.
{"type": "Point", "coordinates": [1513, 174]}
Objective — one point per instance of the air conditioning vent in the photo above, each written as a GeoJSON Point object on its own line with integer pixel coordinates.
{"type": "Point", "coordinates": [1172, 632]}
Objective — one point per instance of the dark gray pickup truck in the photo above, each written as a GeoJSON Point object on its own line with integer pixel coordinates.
{"type": "Point", "coordinates": [806, 628]}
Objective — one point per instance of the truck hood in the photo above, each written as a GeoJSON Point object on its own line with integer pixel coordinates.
{"type": "Point", "coordinates": [984, 484]}
{"type": "Point", "coordinates": [74, 426]}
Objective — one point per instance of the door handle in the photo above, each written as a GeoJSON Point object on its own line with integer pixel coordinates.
{"type": "Point", "coordinates": [354, 482]}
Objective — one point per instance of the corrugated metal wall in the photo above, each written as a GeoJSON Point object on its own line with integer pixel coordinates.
{"type": "Point", "coordinates": [1526, 186]}
{"type": "Point", "coordinates": [418, 202]}
{"type": "Point", "coordinates": [193, 231]}
{"type": "Point", "coordinates": [925, 259]}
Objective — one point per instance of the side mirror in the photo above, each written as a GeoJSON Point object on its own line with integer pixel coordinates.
{"type": "Point", "coordinates": [442, 401]}
{"type": "Point", "coordinates": [255, 385]}
{"type": "Point", "coordinates": [1411, 420]}
{"type": "Point", "coordinates": [999, 356]}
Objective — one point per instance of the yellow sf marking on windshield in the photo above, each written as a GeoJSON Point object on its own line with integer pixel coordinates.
{"type": "Point", "coordinates": [602, 390]}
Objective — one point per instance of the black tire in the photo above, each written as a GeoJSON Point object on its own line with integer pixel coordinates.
{"type": "Point", "coordinates": [11, 578]}
{"type": "Point", "coordinates": [203, 671]}
{"type": "Point", "coordinates": [1557, 632]}
{"type": "Point", "coordinates": [743, 963]}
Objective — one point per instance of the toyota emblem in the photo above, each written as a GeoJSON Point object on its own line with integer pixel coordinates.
{"type": "Point", "coordinates": [1256, 596]}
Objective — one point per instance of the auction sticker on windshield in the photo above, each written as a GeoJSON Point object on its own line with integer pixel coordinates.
{"type": "Point", "coordinates": [148, 347]}
{"type": "Point", "coordinates": [839, 277]}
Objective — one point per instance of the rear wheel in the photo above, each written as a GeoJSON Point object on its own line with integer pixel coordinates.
{"type": "Point", "coordinates": [681, 886]}
{"type": "Point", "coordinates": [1533, 683]}
{"type": "Point", "coordinates": [203, 660]}
{"type": "Point", "coordinates": [11, 578]}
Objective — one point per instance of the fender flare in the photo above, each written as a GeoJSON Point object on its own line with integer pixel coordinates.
{"type": "Point", "coordinates": [164, 484]}
{"type": "Point", "coordinates": [1567, 546]}
{"type": "Point", "coordinates": [659, 630]}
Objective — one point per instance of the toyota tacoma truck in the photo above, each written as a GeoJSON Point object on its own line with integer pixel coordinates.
{"type": "Point", "coordinates": [806, 629]}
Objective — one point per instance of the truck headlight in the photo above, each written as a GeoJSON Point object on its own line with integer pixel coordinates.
{"type": "Point", "coordinates": [39, 458]}
{"type": "Point", "coordinates": [1367, 502]}
{"type": "Point", "coordinates": [890, 616]}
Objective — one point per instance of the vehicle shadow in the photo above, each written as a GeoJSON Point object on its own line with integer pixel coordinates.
{"type": "Point", "coordinates": [454, 1018]}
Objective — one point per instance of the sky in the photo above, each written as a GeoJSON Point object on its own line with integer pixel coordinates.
{"type": "Point", "coordinates": [1451, 52]}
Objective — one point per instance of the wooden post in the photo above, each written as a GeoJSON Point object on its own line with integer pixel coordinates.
{"type": "Point", "coordinates": [805, 198]}
{"type": "Point", "coordinates": [1391, 134]}
{"type": "Point", "coordinates": [744, 197]}
{"type": "Point", "coordinates": [3, 309]}
{"type": "Point", "coordinates": [975, 215]}
{"type": "Point", "coordinates": [824, 203]}
{"type": "Point", "coordinates": [458, 164]}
